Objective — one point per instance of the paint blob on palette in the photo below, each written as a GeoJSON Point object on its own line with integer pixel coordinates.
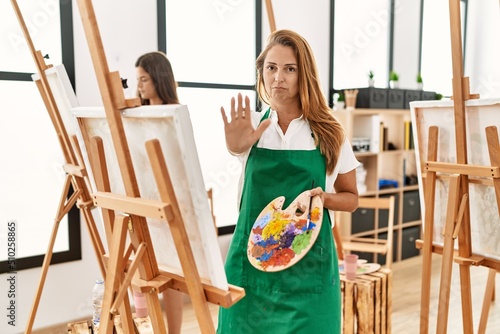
{"type": "Point", "coordinates": [280, 238]}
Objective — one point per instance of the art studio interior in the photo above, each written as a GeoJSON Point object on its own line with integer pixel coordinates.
{"type": "Point", "coordinates": [94, 184]}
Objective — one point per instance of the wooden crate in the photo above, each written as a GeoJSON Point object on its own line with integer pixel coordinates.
{"type": "Point", "coordinates": [80, 327]}
{"type": "Point", "coordinates": [142, 326]}
{"type": "Point", "coordinates": [366, 303]}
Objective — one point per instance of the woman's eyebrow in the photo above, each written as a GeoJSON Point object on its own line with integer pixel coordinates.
{"type": "Point", "coordinates": [273, 63]}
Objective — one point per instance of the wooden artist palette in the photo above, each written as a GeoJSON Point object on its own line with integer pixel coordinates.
{"type": "Point", "coordinates": [280, 238]}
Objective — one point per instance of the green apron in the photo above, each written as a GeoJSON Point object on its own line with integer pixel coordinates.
{"type": "Point", "coordinates": [305, 298]}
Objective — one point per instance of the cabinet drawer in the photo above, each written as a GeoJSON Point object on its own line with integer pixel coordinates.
{"type": "Point", "coordinates": [428, 95]}
{"type": "Point", "coordinates": [396, 99]}
{"type": "Point", "coordinates": [412, 95]}
{"type": "Point", "coordinates": [383, 215]}
{"type": "Point", "coordinates": [371, 98]}
{"type": "Point", "coordinates": [410, 235]}
{"type": "Point", "coordinates": [362, 220]}
{"type": "Point", "coordinates": [411, 206]}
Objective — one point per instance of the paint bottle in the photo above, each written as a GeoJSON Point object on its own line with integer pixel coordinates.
{"type": "Point", "coordinates": [97, 297]}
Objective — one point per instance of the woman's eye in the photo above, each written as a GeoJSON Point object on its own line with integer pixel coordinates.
{"type": "Point", "coordinates": [270, 67]}
{"type": "Point", "coordinates": [292, 69]}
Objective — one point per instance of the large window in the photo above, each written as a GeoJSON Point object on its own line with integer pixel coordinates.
{"type": "Point", "coordinates": [31, 175]}
{"type": "Point", "coordinates": [436, 46]}
{"type": "Point", "coordinates": [409, 37]}
{"type": "Point", "coordinates": [361, 42]}
{"type": "Point", "coordinates": [213, 63]}
{"type": "Point", "coordinates": [43, 22]}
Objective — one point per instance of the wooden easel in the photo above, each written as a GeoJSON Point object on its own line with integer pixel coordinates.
{"type": "Point", "coordinates": [120, 273]}
{"type": "Point", "coordinates": [76, 173]}
{"type": "Point", "coordinates": [270, 15]}
{"type": "Point", "coordinates": [457, 223]}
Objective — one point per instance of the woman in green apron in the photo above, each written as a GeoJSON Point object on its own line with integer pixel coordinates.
{"type": "Point", "coordinates": [295, 142]}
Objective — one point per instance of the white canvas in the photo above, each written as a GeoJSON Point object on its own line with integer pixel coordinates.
{"type": "Point", "coordinates": [484, 216]}
{"type": "Point", "coordinates": [171, 125]}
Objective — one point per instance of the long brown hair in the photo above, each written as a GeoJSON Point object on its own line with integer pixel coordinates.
{"type": "Point", "coordinates": [328, 132]}
{"type": "Point", "coordinates": [158, 66]}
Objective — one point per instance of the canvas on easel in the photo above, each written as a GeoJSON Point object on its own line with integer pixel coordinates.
{"type": "Point", "coordinates": [485, 219]}
{"type": "Point", "coordinates": [171, 125]}
{"type": "Point", "coordinates": [434, 126]}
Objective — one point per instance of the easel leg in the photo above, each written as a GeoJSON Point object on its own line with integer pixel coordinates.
{"type": "Point", "coordinates": [448, 250]}
{"type": "Point", "coordinates": [488, 297]}
{"type": "Point", "coordinates": [64, 207]}
{"type": "Point", "coordinates": [113, 278]}
{"type": "Point", "coordinates": [462, 230]}
{"type": "Point", "coordinates": [85, 204]}
{"type": "Point", "coordinates": [430, 196]}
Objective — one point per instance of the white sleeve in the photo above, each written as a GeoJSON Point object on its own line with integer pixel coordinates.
{"type": "Point", "coordinates": [347, 160]}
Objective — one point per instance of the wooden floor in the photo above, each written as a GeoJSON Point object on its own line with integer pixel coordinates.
{"type": "Point", "coordinates": [405, 301]}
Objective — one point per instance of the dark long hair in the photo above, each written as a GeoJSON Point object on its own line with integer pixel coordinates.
{"type": "Point", "coordinates": [159, 68]}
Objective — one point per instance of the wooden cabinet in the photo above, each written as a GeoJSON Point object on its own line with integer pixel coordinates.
{"type": "Point", "coordinates": [382, 141]}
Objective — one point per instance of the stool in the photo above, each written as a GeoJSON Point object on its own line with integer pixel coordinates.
{"type": "Point", "coordinates": [367, 303]}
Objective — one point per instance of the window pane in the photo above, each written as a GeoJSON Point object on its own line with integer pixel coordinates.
{"type": "Point", "coordinates": [43, 22]}
{"type": "Point", "coordinates": [212, 41]}
{"type": "Point", "coordinates": [31, 174]}
{"type": "Point", "coordinates": [407, 42]}
{"type": "Point", "coordinates": [437, 68]}
{"type": "Point", "coordinates": [221, 171]}
{"type": "Point", "coordinates": [361, 43]}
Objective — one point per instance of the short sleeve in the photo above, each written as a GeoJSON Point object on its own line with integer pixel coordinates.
{"type": "Point", "coordinates": [347, 160]}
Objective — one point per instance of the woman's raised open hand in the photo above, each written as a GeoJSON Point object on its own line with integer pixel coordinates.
{"type": "Point", "coordinates": [239, 131]}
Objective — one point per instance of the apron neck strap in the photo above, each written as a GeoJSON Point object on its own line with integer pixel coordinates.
{"type": "Point", "coordinates": [266, 116]}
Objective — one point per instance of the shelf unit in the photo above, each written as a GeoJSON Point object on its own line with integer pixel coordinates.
{"type": "Point", "coordinates": [388, 157]}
